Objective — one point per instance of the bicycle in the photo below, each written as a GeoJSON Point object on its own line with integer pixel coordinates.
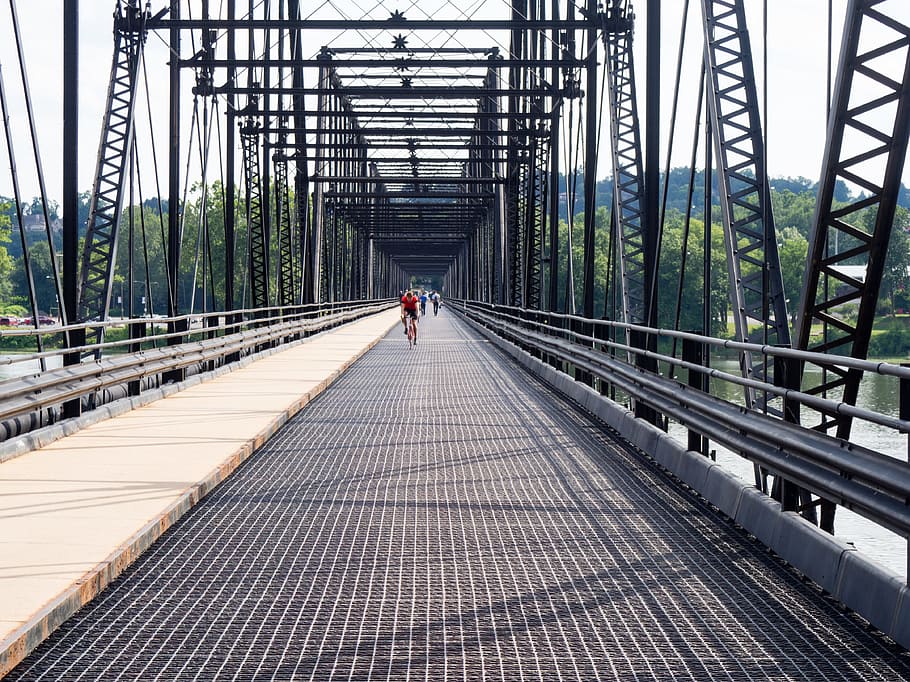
{"type": "Point", "coordinates": [412, 332]}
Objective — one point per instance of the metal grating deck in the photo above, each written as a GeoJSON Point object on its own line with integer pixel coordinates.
{"type": "Point", "coordinates": [437, 514]}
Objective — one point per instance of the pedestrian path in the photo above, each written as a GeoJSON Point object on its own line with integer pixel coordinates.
{"type": "Point", "coordinates": [438, 514]}
{"type": "Point", "coordinates": [76, 512]}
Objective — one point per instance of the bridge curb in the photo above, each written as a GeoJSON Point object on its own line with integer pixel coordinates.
{"type": "Point", "coordinates": [23, 640]}
{"type": "Point", "coordinates": [878, 595]}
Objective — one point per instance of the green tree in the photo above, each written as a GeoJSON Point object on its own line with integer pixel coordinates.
{"type": "Point", "coordinates": [895, 280]}
{"type": "Point", "coordinates": [42, 275]}
{"type": "Point", "coordinates": [691, 314]}
{"type": "Point", "coordinates": [6, 262]}
{"type": "Point", "coordinates": [794, 210]}
{"type": "Point", "coordinates": [793, 250]}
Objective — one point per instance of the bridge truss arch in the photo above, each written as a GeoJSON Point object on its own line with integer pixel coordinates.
{"type": "Point", "coordinates": [346, 154]}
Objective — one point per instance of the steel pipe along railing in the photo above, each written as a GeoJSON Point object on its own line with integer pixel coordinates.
{"type": "Point", "coordinates": [222, 338]}
{"type": "Point", "coordinates": [210, 322]}
{"type": "Point", "coordinates": [858, 478]}
{"type": "Point", "coordinates": [821, 360]}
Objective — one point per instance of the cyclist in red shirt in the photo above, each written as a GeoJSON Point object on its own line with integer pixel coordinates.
{"type": "Point", "coordinates": [409, 304]}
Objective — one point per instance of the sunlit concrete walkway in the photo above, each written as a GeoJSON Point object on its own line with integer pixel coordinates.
{"type": "Point", "coordinates": [74, 513]}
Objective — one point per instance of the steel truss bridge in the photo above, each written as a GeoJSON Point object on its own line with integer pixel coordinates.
{"type": "Point", "coordinates": [310, 161]}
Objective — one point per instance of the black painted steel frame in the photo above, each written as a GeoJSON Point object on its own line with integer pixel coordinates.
{"type": "Point", "coordinates": [345, 248]}
{"type": "Point", "coordinates": [284, 217]}
{"type": "Point", "coordinates": [867, 145]}
{"type": "Point", "coordinates": [880, 123]}
{"type": "Point", "coordinates": [257, 244]}
{"type": "Point", "coordinates": [756, 283]}
{"type": "Point", "coordinates": [96, 275]}
{"type": "Point", "coordinates": [628, 174]}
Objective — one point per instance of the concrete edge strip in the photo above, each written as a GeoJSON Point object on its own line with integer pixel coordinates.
{"type": "Point", "coordinates": [34, 440]}
{"type": "Point", "coordinates": [874, 592]}
{"type": "Point", "coordinates": [22, 641]}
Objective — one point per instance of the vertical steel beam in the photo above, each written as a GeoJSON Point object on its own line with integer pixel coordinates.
{"type": "Point", "coordinates": [107, 198]}
{"type": "Point", "coordinates": [258, 246]}
{"type": "Point", "coordinates": [630, 206]}
{"type": "Point", "coordinates": [173, 223]}
{"type": "Point", "coordinates": [301, 177]}
{"type": "Point", "coordinates": [230, 208]}
{"type": "Point", "coordinates": [591, 113]}
{"type": "Point", "coordinates": [868, 134]}
{"type": "Point", "coordinates": [285, 230]}
{"type": "Point", "coordinates": [316, 236]}
{"type": "Point", "coordinates": [266, 103]}
{"type": "Point", "coordinates": [516, 161]}
{"type": "Point", "coordinates": [70, 201]}
{"type": "Point", "coordinates": [652, 159]}
{"type": "Point", "coordinates": [756, 283]}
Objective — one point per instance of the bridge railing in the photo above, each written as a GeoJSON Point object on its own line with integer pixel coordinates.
{"type": "Point", "coordinates": [866, 481]}
{"type": "Point", "coordinates": [144, 353]}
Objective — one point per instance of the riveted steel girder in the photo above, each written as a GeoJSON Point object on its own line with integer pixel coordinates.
{"type": "Point", "coordinates": [628, 176]}
{"type": "Point", "coordinates": [868, 130]}
{"type": "Point", "coordinates": [756, 284]}
{"type": "Point", "coordinates": [257, 244]}
{"type": "Point", "coordinates": [96, 274]}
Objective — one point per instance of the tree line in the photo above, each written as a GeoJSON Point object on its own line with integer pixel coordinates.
{"type": "Point", "coordinates": [139, 285]}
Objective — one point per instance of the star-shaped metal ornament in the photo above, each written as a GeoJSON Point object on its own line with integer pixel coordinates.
{"type": "Point", "coordinates": [399, 42]}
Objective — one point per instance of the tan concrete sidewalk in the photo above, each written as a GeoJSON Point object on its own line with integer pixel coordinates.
{"type": "Point", "coordinates": [75, 513]}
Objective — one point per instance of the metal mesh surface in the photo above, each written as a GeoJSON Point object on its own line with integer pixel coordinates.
{"type": "Point", "coordinates": [437, 514]}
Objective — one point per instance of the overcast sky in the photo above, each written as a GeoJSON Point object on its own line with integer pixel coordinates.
{"type": "Point", "coordinates": [795, 127]}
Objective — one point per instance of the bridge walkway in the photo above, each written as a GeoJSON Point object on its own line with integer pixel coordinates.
{"type": "Point", "coordinates": [438, 514]}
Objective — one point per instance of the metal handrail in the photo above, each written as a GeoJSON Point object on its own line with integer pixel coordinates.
{"type": "Point", "coordinates": [815, 402]}
{"type": "Point", "coordinates": [233, 320]}
{"type": "Point", "coordinates": [49, 389]}
{"type": "Point", "coordinates": [819, 359]}
{"type": "Point", "coordinates": [872, 484]}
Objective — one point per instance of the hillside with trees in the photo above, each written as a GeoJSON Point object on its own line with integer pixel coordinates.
{"type": "Point", "coordinates": [793, 201]}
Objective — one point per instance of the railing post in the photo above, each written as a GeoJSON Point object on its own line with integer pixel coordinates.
{"type": "Point", "coordinates": [602, 333]}
{"type": "Point", "coordinates": [177, 327]}
{"type": "Point", "coordinates": [787, 375]}
{"type": "Point", "coordinates": [639, 340]}
{"type": "Point", "coordinates": [575, 326]}
{"type": "Point", "coordinates": [904, 414]}
{"type": "Point", "coordinates": [694, 352]}
{"type": "Point", "coordinates": [137, 333]}
{"type": "Point", "coordinates": [212, 323]}
{"type": "Point", "coordinates": [561, 335]}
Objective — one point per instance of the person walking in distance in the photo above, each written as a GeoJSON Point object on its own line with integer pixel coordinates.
{"type": "Point", "coordinates": [423, 302]}
{"type": "Point", "coordinates": [435, 298]}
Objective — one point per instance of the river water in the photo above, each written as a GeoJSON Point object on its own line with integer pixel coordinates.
{"type": "Point", "coordinates": [876, 393]}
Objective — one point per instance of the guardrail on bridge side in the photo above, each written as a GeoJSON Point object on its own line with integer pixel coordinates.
{"type": "Point", "coordinates": [581, 358]}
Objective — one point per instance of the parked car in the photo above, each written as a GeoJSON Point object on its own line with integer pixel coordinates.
{"type": "Point", "coordinates": [9, 321]}
{"type": "Point", "coordinates": [42, 320]}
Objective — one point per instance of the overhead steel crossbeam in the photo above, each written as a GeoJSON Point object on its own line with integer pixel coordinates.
{"type": "Point", "coordinates": [399, 60]}
{"type": "Point", "coordinates": [440, 121]}
{"type": "Point", "coordinates": [868, 131]}
{"type": "Point", "coordinates": [106, 207]}
{"type": "Point", "coordinates": [433, 25]}
{"type": "Point", "coordinates": [756, 284]}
